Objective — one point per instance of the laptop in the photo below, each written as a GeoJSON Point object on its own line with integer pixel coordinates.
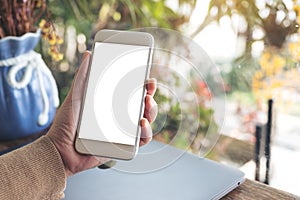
{"type": "Point", "coordinates": [158, 172]}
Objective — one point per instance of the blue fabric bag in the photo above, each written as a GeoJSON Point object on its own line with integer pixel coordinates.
{"type": "Point", "coordinates": [28, 92]}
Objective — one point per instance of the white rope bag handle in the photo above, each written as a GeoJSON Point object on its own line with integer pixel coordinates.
{"type": "Point", "coordinates": [30, 61]}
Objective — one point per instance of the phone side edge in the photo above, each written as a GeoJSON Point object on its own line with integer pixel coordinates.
{"type": "Point", "coordinates": [147, 75]}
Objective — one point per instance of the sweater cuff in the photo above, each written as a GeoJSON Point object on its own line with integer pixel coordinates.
{"type": "Point", "coordinates": [35, 171]}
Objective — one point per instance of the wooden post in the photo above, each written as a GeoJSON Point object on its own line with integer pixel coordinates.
{"type": "Point", "coordinates": [268, 140]}
{"type": "Point", "coordinates": [258, 129]}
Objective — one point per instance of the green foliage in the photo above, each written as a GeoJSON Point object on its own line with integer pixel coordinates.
{"type": "Point", "coordinates": [167, 119]}
{"type": "Point", "coordinates": [139, 13]}
{"type": "Point", "coordinates": [244, 98]}
{"type": "Point", "coordinates": [272, 18]}
{"type": "Point", "coordinates": [239, 77]}
{"type": "Point", "coordinates": [205, 118]}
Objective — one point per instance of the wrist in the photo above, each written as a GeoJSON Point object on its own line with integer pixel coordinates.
{"type": "Point", "coordinates": [61, 152]}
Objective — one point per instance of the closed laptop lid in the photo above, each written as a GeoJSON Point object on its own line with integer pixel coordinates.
{"type": "Point", "coordinates": [156, 176]}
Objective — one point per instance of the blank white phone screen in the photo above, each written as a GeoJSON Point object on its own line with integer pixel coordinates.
{"type": "Point", "coordinates": [115, 92]}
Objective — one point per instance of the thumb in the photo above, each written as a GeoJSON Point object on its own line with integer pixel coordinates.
{"type": "Point", "coordinates": [77, 89]}
{"type": "Point", "coordinates": [79, 81]}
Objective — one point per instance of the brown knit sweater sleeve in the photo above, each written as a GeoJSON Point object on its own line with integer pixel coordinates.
{"type": "Point", "coordinates": [35, 171]}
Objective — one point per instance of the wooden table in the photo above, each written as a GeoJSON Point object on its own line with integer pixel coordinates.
{"type": "Point", "coordinates": [4, 145]}
{"type": "Point", "coordinates": [251, 190]}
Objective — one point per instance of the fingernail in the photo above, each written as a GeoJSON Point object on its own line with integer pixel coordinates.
{"type": "Point", "coordinates": [151, 80]}
{"type": "Point", "coordinates": [85, 55]}
{"type": "Point", "coordinates": [144, 122]}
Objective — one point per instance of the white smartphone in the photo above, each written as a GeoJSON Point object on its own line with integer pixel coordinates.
{"type": "Point", "coordinates": [113, 104]}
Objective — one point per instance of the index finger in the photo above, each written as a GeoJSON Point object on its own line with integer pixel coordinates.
{"type": "Point", "coordinates": [151, 86]}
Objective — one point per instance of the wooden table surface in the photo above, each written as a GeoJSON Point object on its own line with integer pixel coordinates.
{"type": "Point", "coordinates": [251, 190]}
{"type": "Point", "coordinates": [4, 145]}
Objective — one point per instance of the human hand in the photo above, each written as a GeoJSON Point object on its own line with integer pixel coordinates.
{"type": "Point", "coordinates": [63, 130]}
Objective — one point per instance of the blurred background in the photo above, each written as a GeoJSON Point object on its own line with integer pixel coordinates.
{"type": "Point", "coordinates": [254, 44]}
